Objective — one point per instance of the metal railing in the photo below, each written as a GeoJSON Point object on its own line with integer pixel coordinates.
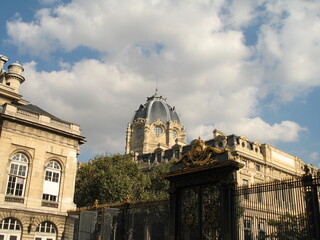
{"type": "Point", "coordinates": [286, 210]}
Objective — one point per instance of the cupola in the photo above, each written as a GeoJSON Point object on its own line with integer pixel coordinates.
{"type": "Point", "coordinates": [154, 122]}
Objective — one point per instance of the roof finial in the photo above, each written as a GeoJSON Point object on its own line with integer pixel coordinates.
{"type": "Point", "coordinates": [156, 86]}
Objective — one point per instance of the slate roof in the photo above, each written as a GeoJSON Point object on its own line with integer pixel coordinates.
{"type": "Point", "coordinates": [156, 108]}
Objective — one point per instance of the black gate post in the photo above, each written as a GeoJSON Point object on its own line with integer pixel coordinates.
{"type": "Point", "coordinates": [202, 194]}
{"type": "Point", "coordinates": [173, 211]}
{"type": "Point", "coordinates": [229, 209]}
{"type": "Point", "coordinates": [312, 206]}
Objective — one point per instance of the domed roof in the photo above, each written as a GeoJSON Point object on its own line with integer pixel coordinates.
{"type": "Point", "coordinates": [156, 108]}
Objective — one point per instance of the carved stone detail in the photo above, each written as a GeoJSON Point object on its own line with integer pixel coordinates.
{"type": "Point", "coordinates": [200, 155]}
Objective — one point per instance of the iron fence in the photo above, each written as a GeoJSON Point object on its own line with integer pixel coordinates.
{"type": "Point", "coordinates": [286, 210]}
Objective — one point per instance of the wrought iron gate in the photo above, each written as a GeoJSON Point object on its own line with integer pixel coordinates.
{"type": "Point", "coordinates": [201, 212]}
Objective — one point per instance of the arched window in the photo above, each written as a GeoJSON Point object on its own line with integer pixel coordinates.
{"type": "Point", "coordinates": [17, 175]}
{"type": "Point", "coordinates": [51, 184]}
{"type": "Point", "coordinates": [10, 229]}
{"type": "Point", "coordinates": [174, 134]}
{"type": "Point", "coordinates": [46, 231]}
{"type": "Point", "coordinates": [157, 130]}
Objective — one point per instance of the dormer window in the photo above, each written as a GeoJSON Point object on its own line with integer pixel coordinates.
{"type": "Point", "coordinates": [176, 153]}
{"type": "Point", "coordinates": [157, 130]}
{"type": "Point", "coordinates": [139, 132]}
{"type": "Point", "coordinates": [174, 134]}
{"type": "Point", "coordinates": [158, 157]}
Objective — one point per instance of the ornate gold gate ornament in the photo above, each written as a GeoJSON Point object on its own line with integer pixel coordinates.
{"type": "Point", "coordinates": [200, 155]}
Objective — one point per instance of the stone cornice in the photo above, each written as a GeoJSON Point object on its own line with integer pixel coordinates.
{"type": "Point", "coordinates": [49, 128]}
{"type": "Point", "coordinates": [8, 92]}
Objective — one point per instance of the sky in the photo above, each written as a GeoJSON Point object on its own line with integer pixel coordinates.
{"type": "Point", "coordinates": [245, 67]}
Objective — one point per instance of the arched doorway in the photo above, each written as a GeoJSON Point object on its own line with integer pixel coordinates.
{"type": "Point", "coordinates": [10, 229]}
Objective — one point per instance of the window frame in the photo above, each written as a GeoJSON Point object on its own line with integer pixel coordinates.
{"type": "Point", "coordinates": [159, 157]}
{"type": "Point", "coordinates": [258, 167]}
{"type": "Point", "coordinates": [45, 235]}
{"type": "Point", "coordinates": [174, 134]}
{"type": "Point", "coordinates": [17, 175]}
{"type": "Point", "coordinates": [158, 130]}
{"type": "Point", "coordinates": [245, 162]}
{"type": "Point", "coordinates": [245, 185]}
{"type": "Point", "coordinates": [247, 228]}
{"type": "Point", "coordinates": [52, 174]}
{"type": "Point", "coordinates": [16, 231]}
{"type": "Point", "coordinates": [176, 153]}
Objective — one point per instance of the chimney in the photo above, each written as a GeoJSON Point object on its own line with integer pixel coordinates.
{"type": "Point", "coordinates": [3, 60]}
{"type": "Point", "coordinates": [217, 133]}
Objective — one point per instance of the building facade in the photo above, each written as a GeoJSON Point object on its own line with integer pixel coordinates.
{"type": "Point", "coordinates": [155, 125]}
{"type": "Point", "coordinates": [155, 135]}
{"type": "Point", "coordinates": [262, 164]}
{"type": "Point", "coordinates": [38, 155]}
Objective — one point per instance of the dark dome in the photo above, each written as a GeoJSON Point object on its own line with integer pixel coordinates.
{"type": "Point", "coordinates": [156, 108]}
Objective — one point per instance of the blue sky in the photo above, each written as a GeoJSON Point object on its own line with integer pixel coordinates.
{"type": "Point", "coordinates": [244, 67]}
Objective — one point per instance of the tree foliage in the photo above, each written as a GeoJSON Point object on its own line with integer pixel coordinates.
{"type": "Point", "coordinates": [114, 178]}
{"type": "Point", "coordinates": [157, 186]}
{"type": "Point", "coordinates": [289, 227]}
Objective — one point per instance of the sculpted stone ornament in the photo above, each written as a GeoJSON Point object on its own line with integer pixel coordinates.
{"type": "Point", "coordinates": [201, 155]}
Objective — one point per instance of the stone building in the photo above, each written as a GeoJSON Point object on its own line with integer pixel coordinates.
{"type": "Point", "coordinates": [262, 163]}
{"type": "Point", "coordinates": [155, 125]}
{"type": "Point", "coordinates": [155, 135]}
{"type": "Point", "coordinates": [38, 155]}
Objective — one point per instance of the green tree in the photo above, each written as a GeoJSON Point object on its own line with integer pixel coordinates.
{"type": "Point", "coordinates": [289, 227]}
{"type": "Point", "coordinates": [109, 179]}
{"type": "Point", "coordinates": [114, 178]}
{"type": "Point", "coordinates": [157, 187]}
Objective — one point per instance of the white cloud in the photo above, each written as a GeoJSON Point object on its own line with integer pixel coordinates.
{"type": "Point", "coordinates": [314, 156]}
{"type": "Point", "coordinates": [255, 128]}
{"type": "Point", "coordinates": [289, 47]}
{"type": "Point", "coordinates": [96, 95]}
{"type": "Point", "coordinates": [197, 47]}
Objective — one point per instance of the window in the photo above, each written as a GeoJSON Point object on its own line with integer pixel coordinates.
{"type": "Point", "coordinates": [261, 226]}
{"type": "Point", "coordinates": [259, 195]}
{"type": "Point", "coordinates": [258, 167]}
{"type": "Point", "coordinates": [174, 134]}
{"type": "Point", "coordinates": [10, 224]}
{"type": "Point", "coordinates": [245, 183]}
{"type": "Point", "coordinates": [158, 157]}
{"type": "Point", "coordinates": [51, 184]}
{"type": "Point", "coordinates": [139, 132]}
{"type": "Point", "coordinates": [176, 154]}
{"type": "Point", "coordinates": [49, 197]}
{"type": "Point", "coordinates": [247, 229]}
{"type": "Point", "coordinates": [261, 232]}
{"type": "Point", "coordinates": [46, 227]}
{"type": "Point", "coordinates": [157, 130]}
{"type": "Point", "coordinates": [10, 229]}
{"type": "Point", "coordinates": [245, 162]}
{"type": "Point", "coordinates": [17, 175]}
{"type": "Point", "coordinates": [46, 231]}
